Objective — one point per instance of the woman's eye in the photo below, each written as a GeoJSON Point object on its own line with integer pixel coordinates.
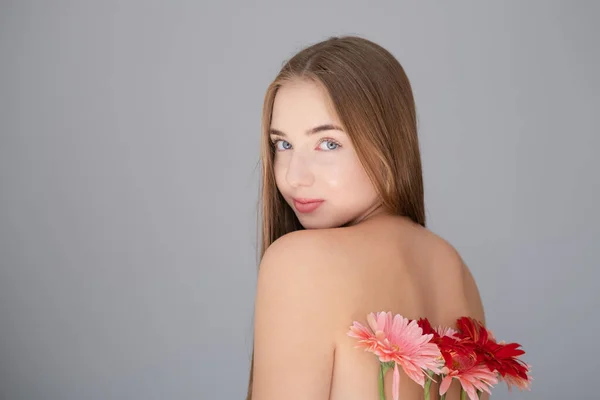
{"type": "Point", "coordinates": [328, 145]}
{"type": "Point", "coordinates": [281, 145]}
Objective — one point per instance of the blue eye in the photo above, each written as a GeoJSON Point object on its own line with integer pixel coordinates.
{"type": "Point", "coordinates": [329, 145]}
{"type": "Point", "coordinates": [286, 145]}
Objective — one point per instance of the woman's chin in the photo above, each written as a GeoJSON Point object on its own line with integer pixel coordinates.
{"type": "Point", "coordinates": [316, 223]}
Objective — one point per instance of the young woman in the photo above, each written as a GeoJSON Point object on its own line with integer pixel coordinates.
{"type": "Point", "coordinates": [343, 226]}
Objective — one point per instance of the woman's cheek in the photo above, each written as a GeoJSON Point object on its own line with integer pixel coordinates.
{"type": "Point", "coordinates": [337, 175]}
{"type": "Point", "coordinates": [279, 171]}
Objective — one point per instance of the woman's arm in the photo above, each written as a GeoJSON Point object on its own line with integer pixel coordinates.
{"type": "Point", "coordinates": [293, 339]}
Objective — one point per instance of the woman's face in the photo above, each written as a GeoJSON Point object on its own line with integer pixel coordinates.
{"type": "Point", "coordinates": [316, 167]}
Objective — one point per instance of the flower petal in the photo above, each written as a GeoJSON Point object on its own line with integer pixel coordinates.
{"type": "Point", "coordinates": [396, 383]}
{"type": "Point", "coordinates": [445, 385]}
{"type": "Point", "coordinates": [372, 321]}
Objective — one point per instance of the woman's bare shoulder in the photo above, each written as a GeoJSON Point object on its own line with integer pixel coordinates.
{"type": "Point", "coordinates": [310, 265]}
{"type": "Point", "coordinates": [369, 262]}
{"type": "Point", "coordinates": [296, 317]}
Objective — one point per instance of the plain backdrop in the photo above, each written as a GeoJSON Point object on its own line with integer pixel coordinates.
{"type": "Point", "coordinates": [129, 134]}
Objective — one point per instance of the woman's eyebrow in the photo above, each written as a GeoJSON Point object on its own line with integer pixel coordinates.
{"type": "Point", "coordinates": [312, 131]}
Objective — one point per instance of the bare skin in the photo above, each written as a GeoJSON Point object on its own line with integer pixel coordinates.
{"type": "Point", "coordinates": [312, 284]}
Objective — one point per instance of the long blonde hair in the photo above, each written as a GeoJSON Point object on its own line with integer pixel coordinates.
{"type": "Point", "coordinates": [373, 99]}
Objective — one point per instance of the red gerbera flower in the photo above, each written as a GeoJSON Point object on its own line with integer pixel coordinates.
{"type": "Point", "coordinates": [471, 329]}
{"type": "Point", "coordinates": [504, 358]}
{"type": "Point", "coordinates": [499, 357]}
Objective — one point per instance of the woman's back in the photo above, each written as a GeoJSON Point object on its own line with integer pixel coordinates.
{"type": "Point", "coordinates": [392, 264]}
{"type": "Point", "coordinates": [314, 283]}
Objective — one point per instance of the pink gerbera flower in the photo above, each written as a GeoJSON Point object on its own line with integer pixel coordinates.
{"type": "Point", "coordinates": [474, 379]}
{"type": "Point", "coordinates": [399, 340]}
{"type": "Point", "coordinates": [438, 332]}
{"type": "Point", "coordinates": [446, 331]}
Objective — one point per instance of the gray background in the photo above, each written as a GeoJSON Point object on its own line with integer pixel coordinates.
{"type": "Point", "coordinates": [128, 181]}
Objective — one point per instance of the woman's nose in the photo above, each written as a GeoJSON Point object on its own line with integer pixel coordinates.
{"type": "Point", "coordinates": [299, 173]}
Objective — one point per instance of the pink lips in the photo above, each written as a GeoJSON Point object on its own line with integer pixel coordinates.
{"type": "Point", "coordinates": [307, 205]}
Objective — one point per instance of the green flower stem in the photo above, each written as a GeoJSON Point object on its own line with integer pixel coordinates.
{"type": "Point", "coordinates": [427, 386]}
{"type": "Point", "coordinates": [381, 375]}
{"type": "Point", "coordinates": [463, 394]}
{"type": "Point", "coordinates": [383, 368]}
{"type": "Point", "coordinates": [441, 378]}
